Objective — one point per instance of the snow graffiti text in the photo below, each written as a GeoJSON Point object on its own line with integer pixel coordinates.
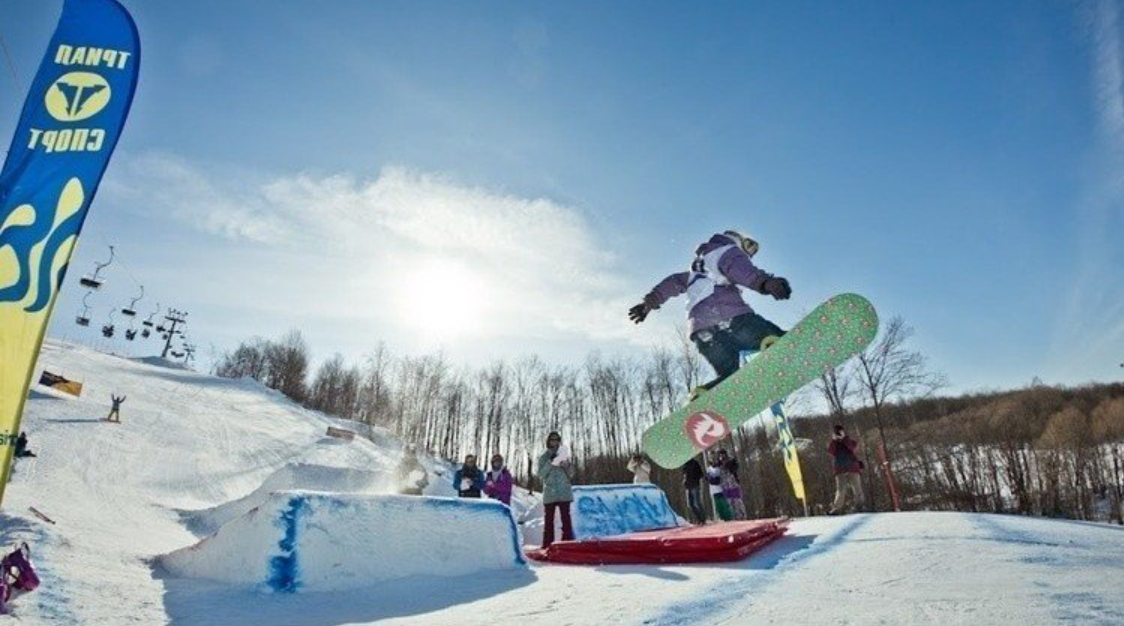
{"type": "Point", "coordinates": [607, 510]}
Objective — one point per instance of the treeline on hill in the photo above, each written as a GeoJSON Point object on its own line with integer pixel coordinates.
{"type": "Point", "coordinates": [1040, 450]}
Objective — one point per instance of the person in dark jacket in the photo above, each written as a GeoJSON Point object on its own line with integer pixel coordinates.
{"type": "Point", "coordinates": [498, 481]}
{"type": "Point", "coordinates": [692, 482]}
{"type": "Point", "coordinates": [115, 412]}
{"type": "Point", "coordinates": [848, 468]}
{"type": "Point", "coordinates": [555, 469]}
{"type": "Point", "coordinates": [469, 480]}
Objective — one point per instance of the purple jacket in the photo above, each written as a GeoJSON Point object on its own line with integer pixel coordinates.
{"type": "Point", "coordinates": [498, 487]}
{"type": "Point", "coordinates": [720, 267]}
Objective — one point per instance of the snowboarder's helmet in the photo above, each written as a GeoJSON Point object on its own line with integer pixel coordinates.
{"type": "Point", "coordinates": [745, 242]}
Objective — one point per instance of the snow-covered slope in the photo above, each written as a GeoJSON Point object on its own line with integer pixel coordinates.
{"type": "Point", "coordinates": [194, 452]}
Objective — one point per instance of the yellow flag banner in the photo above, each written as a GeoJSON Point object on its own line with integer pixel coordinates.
{"type": "Point", "coordinates": [787, 445]}
{"type": "Point", "coordinates": [69, 126]}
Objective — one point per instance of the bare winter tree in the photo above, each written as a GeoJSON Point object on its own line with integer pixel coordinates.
{"type": "Point", "coordinates": [890, 370]}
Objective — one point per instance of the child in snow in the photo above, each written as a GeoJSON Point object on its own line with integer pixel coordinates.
{"type": "Point", "coordinates": [498, 481]}
{"type": "Point", "coordinates": [714, 480]}
{"type": "Point", "coordinates": [721, 324]}
{"type": "Point", "coordinates": [115, 412]}
{"type": "Point", "coordinates": [554, 469]}
{"type": "Point", "coordinates": [731, 485]}
{"type": "Point", "coordinates": [641, 470]}
{"type": "Point", "coordinates": [410, 475]}
{"type": "Point", "coordinates": [848, 470]}
{"type": "Point", "coordinates": [469, 480]}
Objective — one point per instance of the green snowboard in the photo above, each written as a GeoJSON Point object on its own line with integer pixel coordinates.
{"type": "Point", "coordinates": [834, 332]}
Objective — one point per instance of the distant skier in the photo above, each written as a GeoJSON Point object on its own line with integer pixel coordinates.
{"type": "Point", "coordinates": [692, 476]}
{"type": "Point", "coordinates": [115, 412]}
{"type": "Point", "coordinates": [641, 470]}
{"type": "Point", "coordinates": [498, 482]}
{"type": "Point", "coordinates": [848, 470]}
{"type": "Point", "coordinates": [469, 480]}
{"type": "Point", "coordinates": [410, 475]}
{"type": "Point", "coordinates": [721, 323]}
{"type": "Point", "coordinates": [555, 469]}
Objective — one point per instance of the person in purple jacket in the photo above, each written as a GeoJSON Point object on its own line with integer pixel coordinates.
{"type": "Point", "coordinates": [498, 482]}
{"type": "Point", "coordinates": [720, 322]}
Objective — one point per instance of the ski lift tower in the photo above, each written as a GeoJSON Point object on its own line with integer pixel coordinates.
{"type": "Point", "coordinates": [174, 318]}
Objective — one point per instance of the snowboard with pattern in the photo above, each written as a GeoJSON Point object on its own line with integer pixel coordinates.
{"type": "Point", "coordinates": [830, 335]}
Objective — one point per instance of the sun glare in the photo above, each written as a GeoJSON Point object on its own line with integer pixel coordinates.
{"type": "Point", "coordinates": [443, 300]}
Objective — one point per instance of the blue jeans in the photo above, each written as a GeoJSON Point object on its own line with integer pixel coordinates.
{"type": "Point", "coordinates": [722, 347]}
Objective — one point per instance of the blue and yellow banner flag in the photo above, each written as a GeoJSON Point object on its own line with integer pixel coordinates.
{"type": "Point", "coordinates": [70, 123]}
{"type": "Point", "coordinates": [787, 444]}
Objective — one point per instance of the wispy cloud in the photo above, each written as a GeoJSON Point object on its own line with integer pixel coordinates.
{"type": "Point", "coordinates": [407, 241]}
{"type": "Point", "coordinates": [1090, 337]}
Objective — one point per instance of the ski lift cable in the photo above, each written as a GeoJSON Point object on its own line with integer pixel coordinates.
{"type": "Point", "coordinates": [18, 90]}
{"type": "Point", "coordinates": [121, 261]}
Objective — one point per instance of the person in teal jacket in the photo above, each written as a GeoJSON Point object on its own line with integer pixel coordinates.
{"type": "Point", "coordinates": [555, 469]}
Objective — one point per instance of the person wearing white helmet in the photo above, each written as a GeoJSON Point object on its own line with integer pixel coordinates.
{"type": "Point", "coordinates": [721, 323]}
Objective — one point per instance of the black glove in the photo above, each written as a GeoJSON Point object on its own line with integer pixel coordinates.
{"type": "Point", "coordinates": [777, 287]}
{"type": "Point", "coordinates": [639, 312]}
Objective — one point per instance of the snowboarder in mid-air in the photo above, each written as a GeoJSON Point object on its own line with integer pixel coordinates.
{"type": "Point", "coordinates": [721, 324]}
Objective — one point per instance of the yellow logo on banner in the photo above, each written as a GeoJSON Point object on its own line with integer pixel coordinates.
{"type": "Point", "coordinates": [76, 96]}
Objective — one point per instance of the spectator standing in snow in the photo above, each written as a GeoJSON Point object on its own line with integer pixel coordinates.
{"type": "Point", "coordinates": [848, 470]}
{"type": "Point", "coordinates": [498, 481]}
{"type": "Point", "coordinates": [555, 471]}
{"type": "Point", "coordinates": [692, 477]}
{"type": "Point", "coordinates": [115, 412]}
{"type": "Point", "coordinates": [731, 485]}
{"type": "Point", "coordinates": [469, 480]}
{"type": "Point", "coordinates": [714, 479]}
{"type": "Point", "coordinates": [641, 470]}
{"type": "Point", "coordinates": [411, 476]}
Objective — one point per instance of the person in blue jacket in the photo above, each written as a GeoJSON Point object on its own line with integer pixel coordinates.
{"type": "Point", "coordinates": [469, 480]}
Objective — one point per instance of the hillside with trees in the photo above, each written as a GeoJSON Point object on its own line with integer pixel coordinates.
{"type": "Point", "coordinates": [1039, 450]}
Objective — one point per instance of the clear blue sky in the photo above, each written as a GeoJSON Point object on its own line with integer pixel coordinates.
{"type": "Point", "coordinates": [957, 162]}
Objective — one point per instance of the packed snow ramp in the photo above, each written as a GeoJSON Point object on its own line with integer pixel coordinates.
{"type": "Point", "coordinates": [314, 541]}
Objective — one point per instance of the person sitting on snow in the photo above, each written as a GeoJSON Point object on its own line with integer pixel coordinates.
{"type": "Point", "coordinates": [469, 480]}
{"type": "Point", "coordinates": [848, 470]}
{"type": "Point", "coordinates": [21, 446]}
{"type": "Point", "coordinates": [498, 481]}
{"type": "Point", "coordinates": [721, 324]}
{"type": "Point", "coordinates": [555, 469]}
{"type": "Point", "coordinates": [411, 477]}
{"type": "Point", "coordinates": [641, 470]}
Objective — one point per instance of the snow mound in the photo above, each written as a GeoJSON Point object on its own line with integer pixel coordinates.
{"type": "Point", "coordinates": [295, 476]}
{"type": "Point", "coordinates": [314, 541]}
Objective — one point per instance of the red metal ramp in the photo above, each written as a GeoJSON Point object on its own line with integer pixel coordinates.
{"type": "Point", "coordinates": [729, 541]}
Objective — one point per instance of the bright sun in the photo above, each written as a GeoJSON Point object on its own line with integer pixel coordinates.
{"type": "Point", "coordinates": [443, 300]}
